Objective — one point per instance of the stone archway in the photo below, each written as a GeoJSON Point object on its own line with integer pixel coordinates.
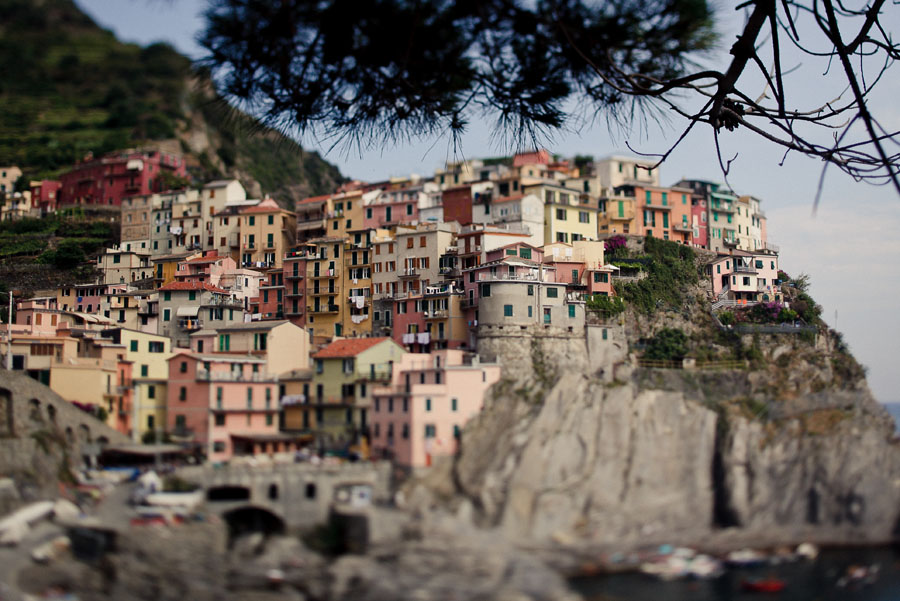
{"type": "Point", "coordinates": [251, 519]}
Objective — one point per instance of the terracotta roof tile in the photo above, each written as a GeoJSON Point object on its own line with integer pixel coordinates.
{"type": "Point", "coordinates": [348, 347]}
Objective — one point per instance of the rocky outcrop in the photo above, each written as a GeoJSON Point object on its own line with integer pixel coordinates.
{"type": "Point", "coordinates": [673, 455]}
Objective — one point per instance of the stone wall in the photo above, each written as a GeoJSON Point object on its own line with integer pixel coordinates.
{"type": "Point", "coordinates": [42, 435]}
{"type": "Point", "coordinates": [533, 352]}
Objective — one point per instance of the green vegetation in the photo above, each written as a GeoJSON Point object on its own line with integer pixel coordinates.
{"type": "Point", "coordinates": [607, 306]}
{"type": "Point", "coordinates": [670, 271]}
{"type": "Point", "coordinates": [77, 89]}
{"type": "Point", "coordinates": [669, 344]}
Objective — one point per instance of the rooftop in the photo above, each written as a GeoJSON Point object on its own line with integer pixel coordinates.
{"type": "Point", "coordinates": [348, 347]}
{"type": "Point", "coordinates": [178, 286]}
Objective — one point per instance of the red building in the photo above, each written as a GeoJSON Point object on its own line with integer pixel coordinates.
{"type": "Point", "coordinates": [457, 203]}
{"type": "Point", "coordinates": [44, 195]}
{"type": "Point", "coordinates": [105, 181]}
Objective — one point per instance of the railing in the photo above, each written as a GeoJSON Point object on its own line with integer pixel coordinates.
{"type": "Point", "coordinates": [190, 324]}
{"type": "Point", "coordinates": [484, 277]}
{"type": "Point", "coordinates": [293, 399]}
{"type": "Point", "coordinates": [781, 328]}
{"type": "Point", "coordinates": [719, 304]}
{"type": "Point", "coordinates": [442, 314]}
{"type": "Point", "coordinates": [409, 272]}
{"type": "Point", "coordinates": [323, 309]}
{"type": "Point", "coordinates": [224, 301]}
{"type": "Point", "coordinates": [232, 376]}
{"type": "Point", "coordinates": [691, 364]}
{"type": "Point", "coordinates": [379, 373]}
{"type": "Point", "coordinates": [744, 269]}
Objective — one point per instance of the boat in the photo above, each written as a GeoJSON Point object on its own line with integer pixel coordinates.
{"type": "Point", "coordinates": [763, 585]}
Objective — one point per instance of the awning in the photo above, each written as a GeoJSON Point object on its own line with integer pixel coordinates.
{"type": "Point", "coordinates": [187, 311]}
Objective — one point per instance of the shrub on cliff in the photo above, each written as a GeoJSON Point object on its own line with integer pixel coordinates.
{"type": "Point", "coordinates": [606, 306]}
{"type": "Point", "coordinates": [669, 344]}
{"type": "Point", "coordinates": [670, 272]}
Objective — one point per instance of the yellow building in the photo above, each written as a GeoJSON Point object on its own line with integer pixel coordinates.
{"type": "Point", "coordinates": [356, 319]}
{"type": "Point", "coordinates": [267, 232]}
{"type": "Point", "coordinates": [569, 215]}
{"type": "Point", "coordinates": [346, 214]}
{"type": "Point", "coordinates": [345, 372]}
{"type": "Point", "coordinates": [324, 288]}
{"type": "Point", "coordinates": [294, 390]}
{"type": "Point", "coordinates": [149, 354]}
{"type": "Point", "coordinates": [165, 267]}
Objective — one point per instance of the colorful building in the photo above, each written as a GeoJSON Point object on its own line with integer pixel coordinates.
{"type": "Point", "coordinates": [109, 179]}
{"type": "Point", "coordinates": [344, 373]}
{"type": "Point", "coordinates": [267, 232]}
{"type": "Point", "coordinates": [421, 413]}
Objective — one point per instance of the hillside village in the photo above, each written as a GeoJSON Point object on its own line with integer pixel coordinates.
{"type": "Point", "coordinates": [357, 323]}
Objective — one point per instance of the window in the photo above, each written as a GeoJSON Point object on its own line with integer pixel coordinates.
{"type": "Point", "coordinates": [167, 296]}
{"type": "Point", "coordinates": [252, 220]}
{"type": "Point", "coordinates": [507, 310]}
{"type": "Point", "coordinates": [561, 214]}
{"type": "Point", "coordinates": [530, 289]}
{"type": "Point", "coordinates": [485, 290]}
{"type": "Point", "coordinates": [118, 258]}
{"type": "Point", "coordinates": [584, 217]}
{"type": "Point", "coordinates": [405, 431]}
{"type": "Point", "coordinates": [151, 392]}
{"type": "Point", "coordinates": [571, 310]}
{"type": "Point", "coordinates": [182, 393]}
{"type": "Point", "coordinates": [410, 242]}
{"type": "Point", "coordinates": [427, 404]}
{"type": "Point", "coordinates": [224, 342]}
{"type": "Point", "coordinates": [530, 312]}
{"type": "Point", "coordinates": [183, 367]}
{"type": "Point", "coordinates": [552, 292]}
{"type": "Point", "coordinates": [575, 278]}
{"type": "Point", "coordinates": [320, 366]}
{"type": "Point", "coordinates": [144, 370]}
{"type": "Point", "coordinates": [453, 405]}
{"type": "Point", "coordinates": [430, 431]}
{"type": "Point", "coordinates": [220, 420]}
{"type": "Point", "coordinates": [249, 397]}
{"type": "Point", "coordinates": [422, 240]}
{"type": "Point", "coordinates": [166, 314]}
{"type": "Point", "coordinates": [525, 253]}
{"type": "Point", "coordinates": [192, 295]}
{"type": "Point", "coordinates": [759, 264]}
{"type": "Point", "coordinates": [601, 278]}
{"type": "Point", "coordinates": [134, 346]}
{"type": "Point", "coordinates": [271, 219]}
{"type": "Point", "coordinates": [605, 335]}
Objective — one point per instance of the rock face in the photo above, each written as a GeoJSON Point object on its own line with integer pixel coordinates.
{"type": "Point", "coordinates": [677, 456]}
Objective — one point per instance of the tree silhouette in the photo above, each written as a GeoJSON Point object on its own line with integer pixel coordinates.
{"type": "Point", "coordinates": [383, 70]}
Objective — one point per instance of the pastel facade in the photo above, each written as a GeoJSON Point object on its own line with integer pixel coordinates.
{"type": "Point", "coordinates": [431, 397]}
{"type": "Point", "coordinates": [745, 276]}
{"type": "Point", "coordinates": [344, 373]}
{"type": "Point", "coordinates": [187, 307]}
{"type": "Point", "coordinates": [267, 232]}
{"type": "Point", "coordinates": [121, 266]}
{"type": "Point", "coordinates": [226, 405]}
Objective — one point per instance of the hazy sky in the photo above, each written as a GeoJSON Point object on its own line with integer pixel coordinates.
{"type": "Point", "coordinates": [850, 248]}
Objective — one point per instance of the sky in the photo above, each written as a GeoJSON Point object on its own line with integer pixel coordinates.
{"type": "Point", "coordinates": [850, 246]}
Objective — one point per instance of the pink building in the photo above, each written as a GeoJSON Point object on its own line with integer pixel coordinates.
{"type": "Point", "coordinates": [420, 415]}
{"type": "Point", "coordinates": [105, 181]}
{"type": "Point", "coordinates": [409, 324]}
{"type": "Point", "coordinates": [225, 404]}
{"type": "Point", "coordinates": [392, 207]}
{"type": "Point", "coordinates": [744, 276]}
{"type": "Point", "coordinates": [209, 267]}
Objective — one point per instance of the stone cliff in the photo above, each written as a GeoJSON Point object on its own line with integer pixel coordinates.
{"type": "Point", "coordinates": [580, 447]}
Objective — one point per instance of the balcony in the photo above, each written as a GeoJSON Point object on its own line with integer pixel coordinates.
{"type": "Point", "coordinates": [744, 269]}
{"type": "Point", "coordinates": [450, 272]}
{"type": "Point", "coordinates": [321, 309]}
{"type": "Point", "coordinates": [233, 376]}
{"type": "Point", "coordinates": [683, 227]}
{"type": "Point", "coordinates": [190, 325]}
{"type": "Point", "coordinates": [722, 208]}
{"type": "Point", "coordinates": [323, 292]}
{"type": "Point", "coordinates": [409, 272]}
{"type": "Point", "coordinates": [441, 314]}
{"type": "Point", "coordinates": [223, 301]}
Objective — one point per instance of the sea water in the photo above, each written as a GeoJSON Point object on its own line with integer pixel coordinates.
{"type": "Point", "coordinates": [805, 581]}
